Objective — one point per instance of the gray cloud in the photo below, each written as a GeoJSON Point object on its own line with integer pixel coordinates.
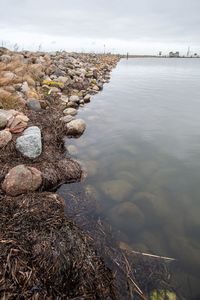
{"type": "Point", "coordinates": [151, 21]}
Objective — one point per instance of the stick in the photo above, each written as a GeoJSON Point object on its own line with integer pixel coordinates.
{"type": "Point", "coordinates": [152, 255]}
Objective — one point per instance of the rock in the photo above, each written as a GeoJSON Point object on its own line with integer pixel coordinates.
{"type": "Point", "coordinates": [25, 88]}
{"type": "Point", "coordinates": [127, 217]}
{"type": "Point", "coordinates": [9, 75]}
{"type": "Point", "coordinates": [63, 79]}
{"type": "Point", "coordinates": [70, 111]}
{"type": "Point", "coordinates": [32, 94]}
{"type": "Point", "coordinates": [87, 98]}
{"type": "Point", "coordinates": [91, 167]}
{"type": "Point", "coordinates": [22, 179]}
{"type": "Point", "coordinates": [89, 74]}
{"type": "Point", "coordinates": [95, 88]}
{"type": "Point", "coordinates": [72, 150]}
{"type": "Point", "coordinates": [64, 99]}
{"type": "Point", "coordinates": [30, 144]}
{"type": "Point", "coordinates": [72, 104]}
{"type": "Point", "coordinates": [5, 58]}
{"type": "Point", "coordinates": [74, 98]}
{"type": "Point", "coordinates": [67, 119]}
{"type": "Point", "coordinates": [76, 127]}
{"type": "Point", "coordinates": [17, 121]}
{"type": "Point", "coordinates": [33, 104]}
{"type": "Point", "coordinates": [100, 85]}
{"type": "Point", "coordinates": [118, 189]}
{"type": "Point", "coordinates": [5, 138]}
{"type": "Point", "coordinates": [154, 206]}
{"type": "Point", "coordinates": [3, 121]}
{"type": "Point", "coordinates": [54, 90]}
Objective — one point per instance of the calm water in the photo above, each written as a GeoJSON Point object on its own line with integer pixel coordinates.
{"type": "Point", "coordinates": [141, 150]}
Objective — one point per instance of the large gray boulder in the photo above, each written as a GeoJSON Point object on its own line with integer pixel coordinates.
{"type": "Point", "coordinates": [30, 144]}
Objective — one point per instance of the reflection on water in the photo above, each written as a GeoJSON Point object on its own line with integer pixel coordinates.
{"type": "Point", "coordinates": [141, 150]}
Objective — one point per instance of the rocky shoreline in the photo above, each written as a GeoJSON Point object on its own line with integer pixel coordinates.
{"type": "Point", "coordinates": [44, 254]}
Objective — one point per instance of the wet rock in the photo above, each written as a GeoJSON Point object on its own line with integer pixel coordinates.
{"type": "Point", "coordinates": [95, 88]}
{"type": "Point", "coordinates": [128, 217]}
{"type": "Point", "coordinates": [76, 127]}
{"type": "Point", "coordinates": [72, 104]}
{"type": "Point", "coordinates": [74, 98]}
{"type": "Point", "coordinates": [3, 121]}
{"type": "Point", "coordinates": [100, 86]}
{"type": "Point", "coordinates": [33, 104]}
{"type": "Point", "coordinates": [5, 138]}
{"type": "Point", "coordinates": [22, 179]}
{"type": "Point", "coordinates": [30, 144]}
{"type": "Point", "coordinates": [70, 111]}
{"type": "Point", "coordinates": [67, 119]}
{"type": "Point", "coordinates": [87, 98]}
{"type": "Point", "coordinates": [118, 190]}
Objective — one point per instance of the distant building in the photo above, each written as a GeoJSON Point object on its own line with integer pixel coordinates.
{"type": "Point", "coordinates": [174, 54]}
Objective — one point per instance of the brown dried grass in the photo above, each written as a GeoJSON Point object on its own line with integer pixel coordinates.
{"type": "Point", "coordinates": [43, 255]}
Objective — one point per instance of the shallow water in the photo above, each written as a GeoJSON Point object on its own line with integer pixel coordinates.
{"type": "Point", "coordinates": [141, 150]}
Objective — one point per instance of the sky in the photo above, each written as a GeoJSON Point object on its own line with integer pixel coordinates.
{"type": "Point", "coordinates": [118, 26]}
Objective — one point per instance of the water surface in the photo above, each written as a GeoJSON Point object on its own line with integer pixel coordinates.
{"type": "Point", "coordinates": [141, 150]}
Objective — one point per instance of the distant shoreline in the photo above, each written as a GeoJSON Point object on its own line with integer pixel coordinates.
{"type": "Point", "coordinates": [156, 56]}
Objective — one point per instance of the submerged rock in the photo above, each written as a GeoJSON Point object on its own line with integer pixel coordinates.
{"type": "Point", "coordinates": [5, 138]}
{"type": "Point", "coordinates": [76, 127]}
{"type": "Point", "coordinates": [128, 217]}
{"type": "Point", "coordinates": [72, 150]}
{"type": "Point", "coordinates": [22, 179]}
{"type": "Point", "coordinates": [117, 189]}
{"type": "Point", "coordinates": [30, 144]}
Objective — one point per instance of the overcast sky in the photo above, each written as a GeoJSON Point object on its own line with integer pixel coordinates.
{"type": "Point", "coordinates": [138, 27]}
